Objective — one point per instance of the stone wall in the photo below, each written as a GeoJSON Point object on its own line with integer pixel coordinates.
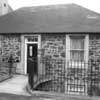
{"type": "Point", "coordinates": [53, 60]}
{"type": "Point", "coordinates": [94, 47]}
{"type": "Point", "coordinates": [94, 55]}
{"type": "Point", "coordinates": [10, 46]}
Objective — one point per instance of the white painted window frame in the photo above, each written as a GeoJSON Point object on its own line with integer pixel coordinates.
{"type": "Point", "coordinates": [86, 47]}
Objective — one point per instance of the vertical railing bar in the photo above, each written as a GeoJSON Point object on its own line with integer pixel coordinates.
{"type": "Point", "coordinates": [67, 74]}
{"type": "Point", "coordinates": [50, 68]}
{"type": "Point", "coordinates": [81, 72]}
{"type": "Point", "coordinates": [91, 79]}
{"type": "Point", "coordinates": [76, 72]}
{"type": "Point", "coordinates": [48, 72]}
{"type": "Point", "coordinates": [53, 75]}
{"type": "Point", "coordinates": [84, 76]}
{"type": "Point", "coordinates": [64, 74]}
{"type": "Point", "coordinates": [71, 69]}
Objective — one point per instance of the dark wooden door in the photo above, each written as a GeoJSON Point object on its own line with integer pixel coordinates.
{"type": "Point", "coordinates": [32, 61]}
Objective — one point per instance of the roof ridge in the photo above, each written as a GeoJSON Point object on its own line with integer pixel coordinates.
{"type": "Point", "coordinates": [52, 5]}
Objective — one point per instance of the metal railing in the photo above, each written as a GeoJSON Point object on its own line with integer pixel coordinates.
{"type": "Point", "coordinates": [94, 78]}
{"type": "Point", "coordinates": [6, 69]}
{"type": "Point", "coordinates": [71, 77]}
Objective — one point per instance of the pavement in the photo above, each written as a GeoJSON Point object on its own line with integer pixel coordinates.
{"type": "Point", "coordinates": [6, 96]}
{"type": "Point", "coordinates": [15, 85]}
{"type": "Point", "coordinates": [15, 89]}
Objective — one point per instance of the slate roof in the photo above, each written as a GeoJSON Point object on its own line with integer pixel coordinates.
{"type": "Point", "coordinates": [47, 19]}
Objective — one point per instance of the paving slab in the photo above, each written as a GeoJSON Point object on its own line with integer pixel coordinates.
{"type": "Point", "coordinates": [15, 85]}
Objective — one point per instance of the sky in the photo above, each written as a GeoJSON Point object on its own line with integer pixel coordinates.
{"type": "Point", "coordinates": [90, 4]}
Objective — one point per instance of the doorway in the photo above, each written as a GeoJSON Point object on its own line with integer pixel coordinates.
{"type": "Point", "coordinates": [32, 59]}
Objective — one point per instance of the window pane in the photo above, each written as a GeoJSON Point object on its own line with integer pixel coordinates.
{"type": "Point", "coordinates": [77, 55]}
{"type": "Point", "coordinates": [77, 43]}
{"type": "Point", "coordinates": [33, 39]}
{"type": "Point", "coordinates": [77, 48]}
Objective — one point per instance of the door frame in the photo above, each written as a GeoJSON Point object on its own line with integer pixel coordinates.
{"type": "Point", "coordinates": [32, 42]}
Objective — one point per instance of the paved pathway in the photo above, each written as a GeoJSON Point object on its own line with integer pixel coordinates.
{"type": "Point", "coordinates": [15, 85]}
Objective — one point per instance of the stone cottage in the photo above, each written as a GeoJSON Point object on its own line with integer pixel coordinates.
{"type": "Point", "coordinates": [62, 38]}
